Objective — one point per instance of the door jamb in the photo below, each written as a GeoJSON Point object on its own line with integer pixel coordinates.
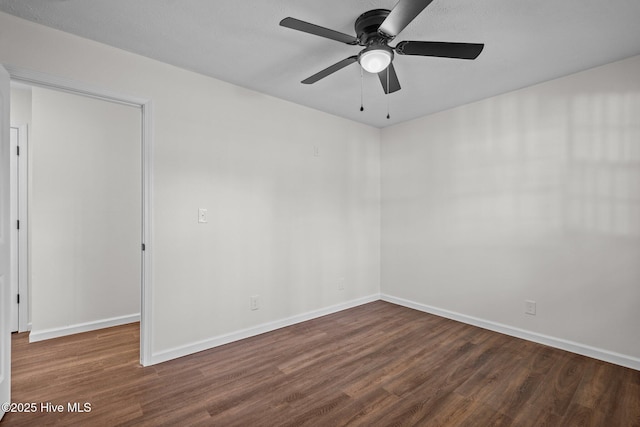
{"type": "Point", "coordinates": [65, 85]}
{"type": "Point", "coordinates": [19, 172]}
{"type": "Point", "coordinates": [23, 238]}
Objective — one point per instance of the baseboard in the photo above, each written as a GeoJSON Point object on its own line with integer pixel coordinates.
{"type": "Point", "coordinates": [562, 344]}
{"type": "Point", "coordinates": [47, 334]}
{"type": "Point", "coordinates": [27, 329]}
{"type": "Point", "coordinates": [196, 347]}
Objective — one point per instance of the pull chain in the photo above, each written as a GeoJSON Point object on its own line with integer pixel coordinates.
{"type": "Point", "coordinates": [388, 92]}
{"type": "Point", "coordinates": [361, 91]}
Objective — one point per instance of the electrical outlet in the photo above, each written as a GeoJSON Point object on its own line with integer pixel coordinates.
{"type": "Point", "coordinates": [255, 302]}
{"type": "Point", "coordinates": [530, 307]}
{"type": "Point", "coordinates": [202, 215]}
{"type": "Point", "coordinates": [316, 151]}
{"type": "Point", "coordinates": [341, 284]}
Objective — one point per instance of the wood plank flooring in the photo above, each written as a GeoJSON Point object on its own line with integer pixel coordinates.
{"type": "Point", "coordinates": [374, 365]}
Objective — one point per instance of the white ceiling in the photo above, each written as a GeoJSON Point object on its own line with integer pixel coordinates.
{"type": "Point", "coordinates": [240, 41]}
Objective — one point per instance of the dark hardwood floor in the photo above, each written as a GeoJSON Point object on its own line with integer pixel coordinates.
{"type": "Point", "coordinates": [375, 365]}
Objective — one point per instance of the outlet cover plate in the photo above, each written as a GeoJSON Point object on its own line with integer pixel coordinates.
{"type": "Point", "coordinates": [255, 302]}
{"type": "Point", "coordinates": [530, 307]}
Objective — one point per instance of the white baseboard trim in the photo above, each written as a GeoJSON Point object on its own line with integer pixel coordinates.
{"type": "Point", "coordinates": [28, 328]}
{"type": "Point", "coordinates": [207, 344]}
{"type": "Point", "coordinates": [573, 347]}
{"type": "Point", "coordinates": [47, 334]}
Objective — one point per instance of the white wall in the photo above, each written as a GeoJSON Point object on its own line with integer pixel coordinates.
{"type": "Point", "coordinates": [535, 195]}
{"type": "Point", "coordinates": [85, 210]}
{"type": "Point", "coordinates": [283, 223]}
{"type": "Point", "coordinates": [20, 105]}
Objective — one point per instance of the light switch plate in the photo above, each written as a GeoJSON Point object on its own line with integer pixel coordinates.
{"type": "Point", "coordinates": [202, 215]}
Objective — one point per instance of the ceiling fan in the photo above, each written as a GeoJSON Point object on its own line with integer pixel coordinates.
{"type": "Point", "coordinates": [374, 30]}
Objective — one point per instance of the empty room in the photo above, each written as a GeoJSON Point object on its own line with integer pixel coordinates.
{"type": "Point", "coordinates": [376, 213]}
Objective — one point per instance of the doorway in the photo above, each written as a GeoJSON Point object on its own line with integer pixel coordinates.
{"type": "Point", "coordinates": [84, 224]}
{"type": "Point", "coordinates": [143, 152]}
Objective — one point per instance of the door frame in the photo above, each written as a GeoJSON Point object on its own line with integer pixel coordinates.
{"type": "Point", "coordinates": [23, 235]}
{"type": "Point", "coordinates": [19, 195]}
{"type": "Point", "coordinates": [47, 81]}
{"type": "Point", "coordinates": [6, 239]}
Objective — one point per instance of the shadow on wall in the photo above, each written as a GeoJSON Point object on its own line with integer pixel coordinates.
{"type": "Point", "coordinates": [530, 173]}
{"type": "Point", "coordinates": [603, 191]}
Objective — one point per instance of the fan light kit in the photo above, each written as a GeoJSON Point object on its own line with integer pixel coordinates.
{"type": "Point", "coordinates": [376, 58]}
{"type": "Point", "coordinates": [374, 30]}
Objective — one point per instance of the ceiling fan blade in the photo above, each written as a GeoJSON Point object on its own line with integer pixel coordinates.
{"type": "Point", "coordinates": [330, 70]}
{"type": "Point", "coordinates": [394, 84]}
{"type": "Point", "coordinates": [401, 15]}
{"type": "Point", "coordinates": [317, 30]}
{"type": "Point", "coordinates": [440, 49]}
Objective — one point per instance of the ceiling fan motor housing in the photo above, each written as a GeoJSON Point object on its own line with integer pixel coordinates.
{"type": "Point", "coordinates": [367, 26]}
